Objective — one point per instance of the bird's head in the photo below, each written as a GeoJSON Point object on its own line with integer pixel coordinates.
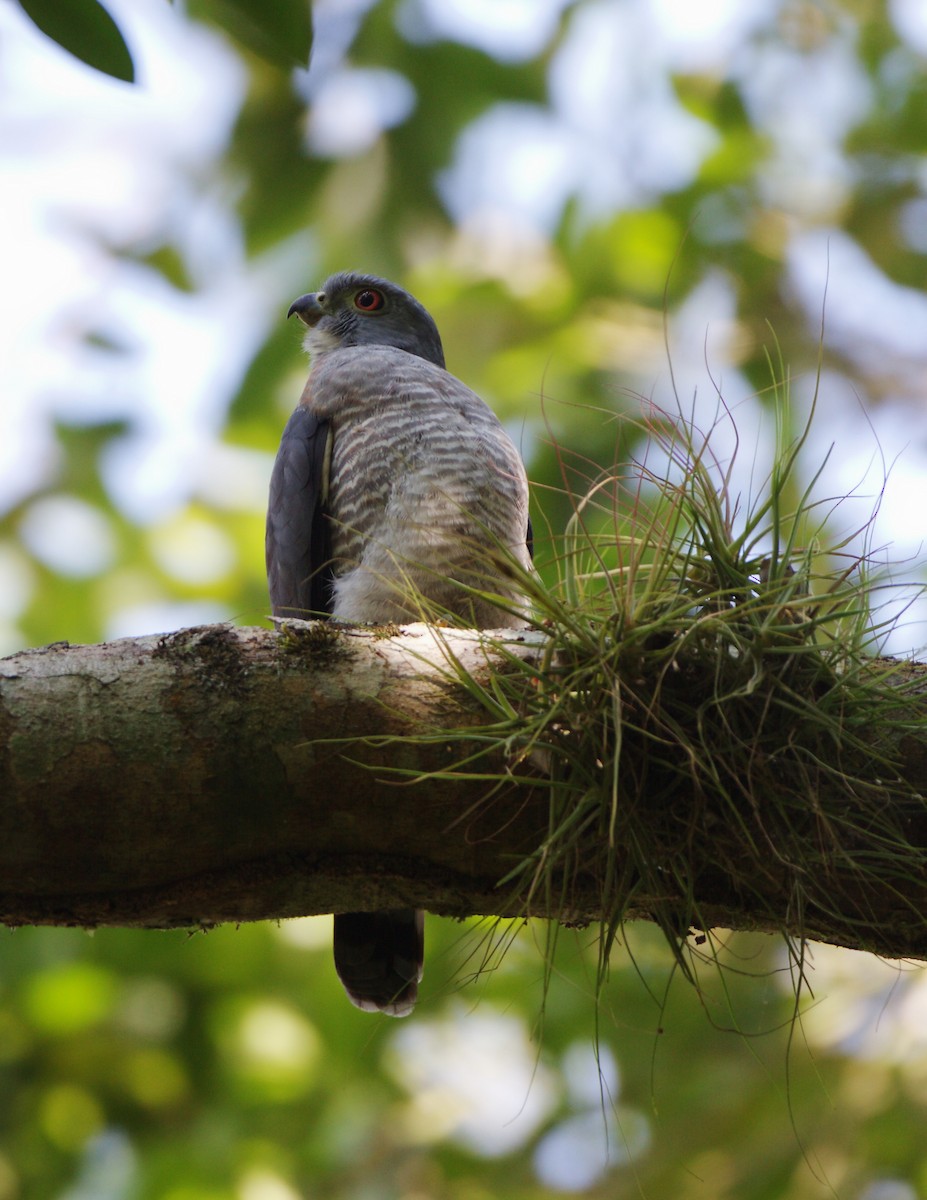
{"type": "Point", "coordinates": [362, 310]}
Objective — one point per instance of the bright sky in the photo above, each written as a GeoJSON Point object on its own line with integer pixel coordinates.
{"type": "Point", "coordinates": [88, 161]}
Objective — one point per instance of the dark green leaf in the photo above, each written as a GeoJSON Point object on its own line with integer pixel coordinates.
{"type": "Point", "coordinates": [280, 32]}
{"type": "Point", "coordinates": [85, 29]}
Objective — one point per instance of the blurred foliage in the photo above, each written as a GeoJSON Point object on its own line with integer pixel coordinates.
{"type": "Point", "coordinates": [280, 32]}
{"type": "Point", "coordinates": [147, 1065]}
{"type": "Point", "coordinates": [166, 1065]}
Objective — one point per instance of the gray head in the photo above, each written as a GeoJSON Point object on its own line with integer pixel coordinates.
{"type": "Point", "coordinates": [362, 310]}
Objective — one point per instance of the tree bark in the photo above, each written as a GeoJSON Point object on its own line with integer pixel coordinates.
{"type": "Point", "coordinates": [235, 774]}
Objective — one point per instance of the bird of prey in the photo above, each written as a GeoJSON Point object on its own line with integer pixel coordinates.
{"type": "Point", "coordinates": [396, 496]}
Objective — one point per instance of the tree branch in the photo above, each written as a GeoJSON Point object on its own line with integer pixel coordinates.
{"type": "Point", "coordinates": [228, 774]}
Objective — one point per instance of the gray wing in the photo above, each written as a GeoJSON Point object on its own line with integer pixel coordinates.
{"type": "Point", "coordinates": [297, 543]}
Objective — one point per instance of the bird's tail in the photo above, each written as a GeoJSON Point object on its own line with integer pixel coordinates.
{"type": "Point", "coordinates": [379, 957]}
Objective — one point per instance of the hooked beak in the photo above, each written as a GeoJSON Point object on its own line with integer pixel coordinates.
{"type": "Point", "coordinates": [307, 308]}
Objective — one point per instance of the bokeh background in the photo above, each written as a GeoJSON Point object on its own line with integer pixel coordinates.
{"type": "Point", "coordinates": [604, 204]}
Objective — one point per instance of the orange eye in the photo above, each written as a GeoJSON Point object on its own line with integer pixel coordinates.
{"type": "Point", "coordinates": [369, 300]}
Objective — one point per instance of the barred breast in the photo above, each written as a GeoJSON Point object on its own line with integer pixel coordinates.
{"type": "Point", "coordinates": [428, 496]}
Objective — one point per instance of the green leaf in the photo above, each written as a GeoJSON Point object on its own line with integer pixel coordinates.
{"type": "Point", "coordinates": [85, 29]}
{"type": "Point", "coordinates": [280, 32]}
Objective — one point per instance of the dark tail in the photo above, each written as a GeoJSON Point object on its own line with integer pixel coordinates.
{"type": "Point", "coordinates": [379, 956]}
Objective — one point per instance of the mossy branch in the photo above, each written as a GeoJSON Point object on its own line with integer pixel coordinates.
{"type": "Point", "coordinates": [226, 774]}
